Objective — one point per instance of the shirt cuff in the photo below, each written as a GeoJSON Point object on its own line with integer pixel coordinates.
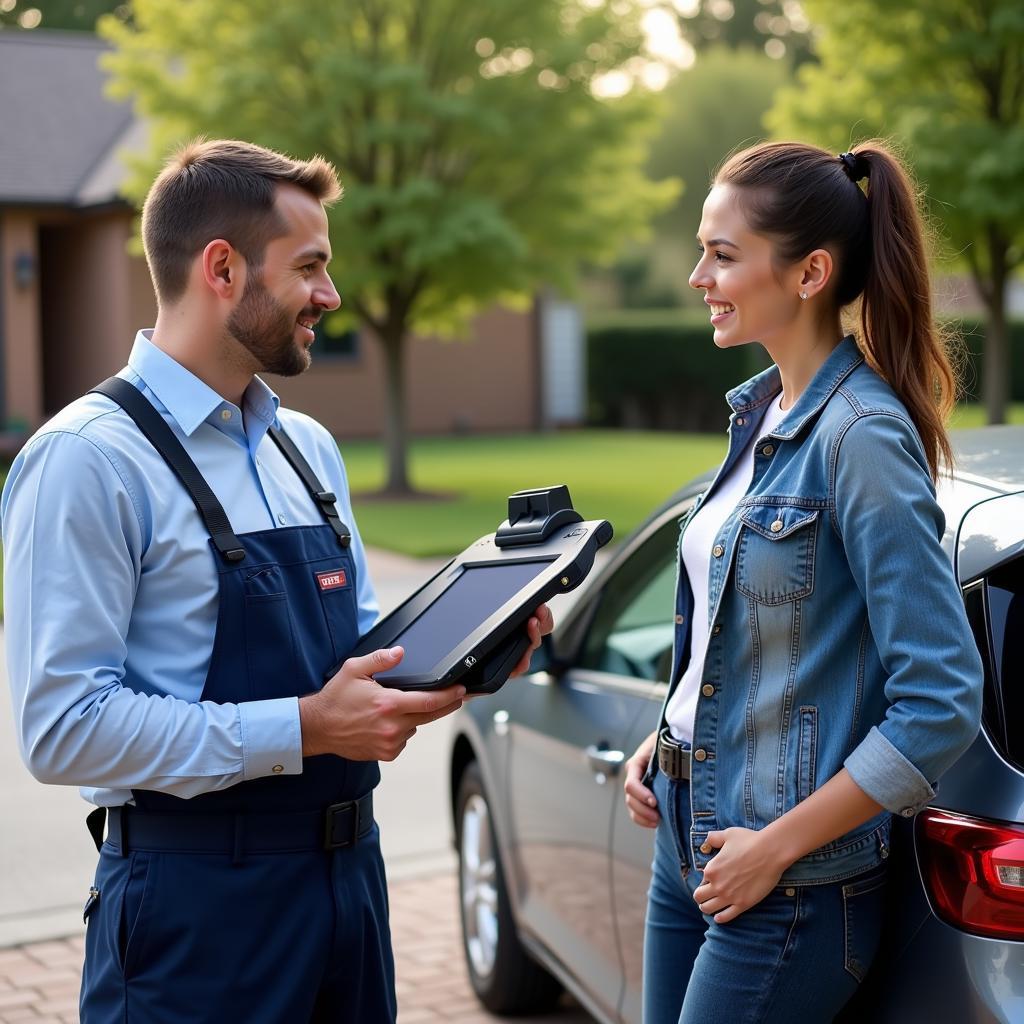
{"type": "Point", "coordinates": [887, 776]}
{"type": "Point", "coordinates": [271, 738]}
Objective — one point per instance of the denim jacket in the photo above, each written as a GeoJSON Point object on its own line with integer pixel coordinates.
{"type": "Point", "coordinates": [838, 633]}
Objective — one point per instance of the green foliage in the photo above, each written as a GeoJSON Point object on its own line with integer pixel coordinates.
{"type": "Point", "coordinates": [777, 25]}
{"type": "Point", "coordinates": [948, 81]}
{"type": "Point", "coordinates": [616, 475]}
{"type": "Point", "coordinates": [661, 370]}
{"type": "Point", "coordinates": [72, 15]}
{"type": "Point", "coordinates": [477, 161]}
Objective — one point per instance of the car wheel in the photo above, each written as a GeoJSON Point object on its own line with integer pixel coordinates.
{"type": "Point", "coordinates": [503, 975]}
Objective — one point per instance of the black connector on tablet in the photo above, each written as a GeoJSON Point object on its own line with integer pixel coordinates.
{"type": "Point", "coordinates": [468, 623]}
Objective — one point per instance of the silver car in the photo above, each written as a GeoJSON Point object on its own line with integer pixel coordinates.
{"type": "Point", "coordinates": [554, 875]}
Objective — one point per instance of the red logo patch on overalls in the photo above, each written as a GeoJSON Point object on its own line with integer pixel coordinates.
{"type": "Point", "coordinates": [332, 580]}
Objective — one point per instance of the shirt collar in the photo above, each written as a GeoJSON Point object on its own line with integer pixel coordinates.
{"type": "Point", "coordinates": [188, 400]}
{"type": "Point", "coordinates": [760, 390]}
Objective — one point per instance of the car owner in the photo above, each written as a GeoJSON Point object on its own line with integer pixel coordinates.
{"type": "Point", "coordinates": [824, 674]}
{"type": "Point", "coordinates": [174, 600]}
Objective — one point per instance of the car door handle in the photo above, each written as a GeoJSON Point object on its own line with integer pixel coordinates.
{"type": "Point", "coordinates": [603, 761]}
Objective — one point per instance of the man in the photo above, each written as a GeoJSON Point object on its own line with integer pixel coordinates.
{"type": "Point", "coordinates": [181, 575]}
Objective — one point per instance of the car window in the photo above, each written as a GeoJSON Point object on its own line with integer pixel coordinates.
{"type": "Point", "coordinates": [996, 611]}
{"type": "Point", "coordinates": [632, 631]}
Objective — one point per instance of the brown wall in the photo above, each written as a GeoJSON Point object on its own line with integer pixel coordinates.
{"type": "Point", "coordinates": [21, 331]}
{"type": "Point", "coordinates": [487, 383]}
{"type": "Point", "coordinates": [94, 297]}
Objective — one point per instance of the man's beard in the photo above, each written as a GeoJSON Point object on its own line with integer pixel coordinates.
{"type": "Point", "coordinates": [262, 325]}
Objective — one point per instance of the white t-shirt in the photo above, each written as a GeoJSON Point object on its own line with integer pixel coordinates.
{"type": "Point", "coordinates": [700, 535]}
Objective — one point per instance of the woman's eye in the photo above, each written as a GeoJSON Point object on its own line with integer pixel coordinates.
{"type": "Point", "coordinates": [721, 257]}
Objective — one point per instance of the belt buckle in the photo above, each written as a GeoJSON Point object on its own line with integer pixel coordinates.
{"type": "Point", "coordinates": [331, 821]}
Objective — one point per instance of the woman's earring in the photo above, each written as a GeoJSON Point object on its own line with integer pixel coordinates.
{"type": "Point", "coordinates": [803, 295]}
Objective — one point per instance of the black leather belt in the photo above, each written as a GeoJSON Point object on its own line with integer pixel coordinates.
{"type": "Point", "coordinates": [673, 757]}
{"type": "Point", "coordinates": [337, 826]}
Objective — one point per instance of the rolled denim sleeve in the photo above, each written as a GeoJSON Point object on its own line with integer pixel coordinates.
{"type": "Point", "coordinates": [74, 541]}
{"type": "Point", "coordinates": [891, 526]}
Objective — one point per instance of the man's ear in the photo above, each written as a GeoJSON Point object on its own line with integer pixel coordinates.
{"type": "Point", "coordinates": [223, 269]}
{"type": "Point", "coordinates": [816, 271]}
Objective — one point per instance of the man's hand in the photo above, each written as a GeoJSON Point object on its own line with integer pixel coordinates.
{"type": "Point", "coordinates": [746, 868]}
{"type": "Point", "coordinates": [539, 625]}
{"type": "Point", "coordinates": [355, 717]}
{"type": "Point", "coordinates": [640, 801]}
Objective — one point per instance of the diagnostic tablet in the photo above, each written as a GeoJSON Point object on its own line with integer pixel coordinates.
{"type": "Point", "coordinates": [468, 623]}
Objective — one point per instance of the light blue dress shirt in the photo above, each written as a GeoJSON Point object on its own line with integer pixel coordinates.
{"type": "Point", "coordinates": [110, 587]}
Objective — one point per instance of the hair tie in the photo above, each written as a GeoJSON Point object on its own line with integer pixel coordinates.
{"type": "Point", "coordinates": [855, 165]}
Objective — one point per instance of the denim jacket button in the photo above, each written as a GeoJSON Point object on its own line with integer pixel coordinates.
{"type": "Point", "coordinates": [776, 526]}
{"type": "Point", "coordinates": [708, 690]}
{"type": "Point", "coordinates": [740, 421]}
{"type": "Point", "coordinates": [680, 619]}
{"type": "Point", "coordinates": [718, 551]}
{"type": "Point", "coordinates": [700, 754]}
{"type": "Point", "coordinates": [716, 629]}
{"type": "Point", "coordinates": [907, 812]}
{"type": "Point", "coordinates": [768, 450]}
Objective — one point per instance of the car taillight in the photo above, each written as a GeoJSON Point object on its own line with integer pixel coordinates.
{"type": "Point", "coordinates": [974, 870]}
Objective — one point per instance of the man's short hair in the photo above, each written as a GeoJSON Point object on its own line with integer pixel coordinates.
{"type": "Point", "coordinates": [221, 189]}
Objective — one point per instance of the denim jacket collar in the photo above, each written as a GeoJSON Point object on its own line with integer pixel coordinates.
{"type": "Point", "coordinates": [759, 390]}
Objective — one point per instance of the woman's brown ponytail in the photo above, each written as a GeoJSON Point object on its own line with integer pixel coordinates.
{"type": "Point", "coordinates": [806, 198]}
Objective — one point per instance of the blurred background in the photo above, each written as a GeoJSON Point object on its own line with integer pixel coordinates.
{"type": "Point", "coordinates": [524, 181]}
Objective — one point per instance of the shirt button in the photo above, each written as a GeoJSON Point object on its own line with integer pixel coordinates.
{"type": "Point", "coordinates": [680, 619]}
{"type": "Point", "coordinates": [776, 526]}
{"type": "Point", "coordinates": [767, 449]}
{"type": "Point", "coordinates": [277, 769]}
{"type": "Point", "coordinates": [225, 414]}
{"type": "Point", "coordinates": [700, 754]}
{"type": "Point", "coordinates": [282, 518]}
{"type": "Point", "coordinates": [718, 551]}
{"type": "Point", "coordinates": [708, 690]}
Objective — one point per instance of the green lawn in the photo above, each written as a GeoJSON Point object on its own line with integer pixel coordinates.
{"type": "Point", "coordinates": [614, 475]}
{"type": "Point", "coordinates": [974, 416]}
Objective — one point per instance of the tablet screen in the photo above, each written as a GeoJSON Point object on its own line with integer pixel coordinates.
{"type": "Point", "coordinates": [477, 593]}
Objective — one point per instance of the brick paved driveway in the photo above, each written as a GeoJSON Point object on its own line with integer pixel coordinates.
{"type": "Point", "coordinates": [39, 982]}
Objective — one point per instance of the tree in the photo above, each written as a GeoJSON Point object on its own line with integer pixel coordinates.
{"type": "Point", "coordinates": [780, 27]}
{"type": "Point", "coordinates": [478, 161]}
{"type": "Point", "coordinates": [712, 108]}
{"type": "Point", "coordinates": [948, 83]}
{"type": "Point", "coordinates": [74, 15]}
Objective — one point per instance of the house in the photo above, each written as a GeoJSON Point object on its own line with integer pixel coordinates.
{"type": "Point", "coordinates": [72, 295]}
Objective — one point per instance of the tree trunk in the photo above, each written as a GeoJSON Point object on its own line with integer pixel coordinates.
{"type": "Point", "coordinates": [996, 372]}
{"type": "Point", "coordinates": [393, 339]}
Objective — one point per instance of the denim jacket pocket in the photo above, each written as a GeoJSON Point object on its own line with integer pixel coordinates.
{"type": "Point", "coordinates": [775, 552]}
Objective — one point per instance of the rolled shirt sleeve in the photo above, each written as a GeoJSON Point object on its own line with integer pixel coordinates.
{"type": "Point", "coordinates": [74, 534]}
{"type": "Point", "coordinates": [891, 526]}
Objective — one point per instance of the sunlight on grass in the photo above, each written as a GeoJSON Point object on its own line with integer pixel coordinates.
{"type": "Point", "coordinates": [616, 475]}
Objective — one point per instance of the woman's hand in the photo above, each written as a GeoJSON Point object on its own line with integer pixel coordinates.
{"type": "Point", "coordinates": [746, 868]}
{"type": "Point", "coordinates": [640, 802]}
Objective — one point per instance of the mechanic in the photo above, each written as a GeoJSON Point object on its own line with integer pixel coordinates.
{"type": "Point", "coordinates": [182, 568]}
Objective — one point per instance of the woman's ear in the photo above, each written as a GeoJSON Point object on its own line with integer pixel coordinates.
{"type": "Point", "coordinates": [815, 272]}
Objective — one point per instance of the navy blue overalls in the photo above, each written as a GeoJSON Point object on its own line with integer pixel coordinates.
{"type": "Point", "coordinates": [264, 903]}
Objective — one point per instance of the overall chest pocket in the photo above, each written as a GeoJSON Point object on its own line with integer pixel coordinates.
{"type": "Point", "coordinates": [775, 553]}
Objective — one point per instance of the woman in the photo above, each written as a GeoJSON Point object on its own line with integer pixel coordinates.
{"type": "Point", "coordinates": [824, 672]}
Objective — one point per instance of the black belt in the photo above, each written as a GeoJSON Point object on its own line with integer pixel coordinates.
{"type": "Point", "coordinates": [673, 757]}
{"type": "Point", "coordinates": [337, 826]}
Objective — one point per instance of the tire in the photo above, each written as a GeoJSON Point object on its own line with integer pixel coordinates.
{"type": "Point", "coordinates": [503, 975]}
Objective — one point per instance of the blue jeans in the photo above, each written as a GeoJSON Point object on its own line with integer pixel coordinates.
{"type": "Point", "coordinates": [798, 955]}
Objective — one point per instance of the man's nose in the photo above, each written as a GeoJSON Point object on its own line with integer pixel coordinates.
{"type": "Point", "coordinates": [327, 296]}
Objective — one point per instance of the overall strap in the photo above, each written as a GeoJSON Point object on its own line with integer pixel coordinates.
{"type": "Point", "coordinates": [162, 438]}
{"type": "Point", "coordinates": [324, 499]}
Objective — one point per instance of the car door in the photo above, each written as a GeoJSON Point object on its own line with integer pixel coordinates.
{"type": "Point", "coordinates": [572, 731]}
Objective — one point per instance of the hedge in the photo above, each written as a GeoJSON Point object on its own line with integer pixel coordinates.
{"type": "Point", "coordinates": [660, 370]}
